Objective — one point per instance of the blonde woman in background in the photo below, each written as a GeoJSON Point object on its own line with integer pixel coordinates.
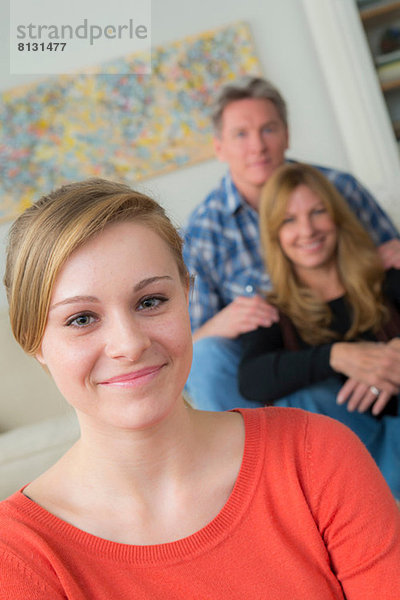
{"type": "Point", "coordinates": [157, 500]}
{"type": "Point", "coordinates": [339, 316]}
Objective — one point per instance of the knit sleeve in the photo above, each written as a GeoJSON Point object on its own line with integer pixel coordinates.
{"type": "Point", "coordinates": [265, 365]}
{"type": "Point", "coordinates": [392, 287]}
{"type": "Point", "coordinates": [18, 581]}
{"type": "Point", "coordinates": [355, 512]}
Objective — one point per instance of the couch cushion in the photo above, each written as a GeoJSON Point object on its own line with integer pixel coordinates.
{"type": "Point", "coordinates": [27, 451]}
{"type": "Point", "coordinates": [27, 393]}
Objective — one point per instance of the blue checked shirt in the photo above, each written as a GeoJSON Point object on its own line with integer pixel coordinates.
{"type": "Point", "coordinates": [222, 243]}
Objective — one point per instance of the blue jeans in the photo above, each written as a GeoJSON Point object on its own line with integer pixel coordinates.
{"type": "Point", "coordinates": [213, 385]}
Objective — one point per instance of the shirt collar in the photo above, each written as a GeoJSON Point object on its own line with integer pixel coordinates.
{"type": "Point", "coordinates": [234, 198]}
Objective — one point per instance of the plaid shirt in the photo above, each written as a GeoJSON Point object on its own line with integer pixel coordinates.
{"type": "Point", "coordinates": [222, 243]}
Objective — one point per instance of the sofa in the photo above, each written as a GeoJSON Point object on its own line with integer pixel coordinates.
{"type": "Point", "coordinates": [36, 424]}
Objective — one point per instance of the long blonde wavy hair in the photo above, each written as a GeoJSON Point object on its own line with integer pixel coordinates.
{"type": "Point", "coordinates": [359, 266]}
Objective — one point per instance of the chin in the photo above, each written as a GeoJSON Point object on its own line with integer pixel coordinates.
{"type": "Point", "coordinates": [263, 178]}
{"type": "Point", "coordinates": [143, 416]}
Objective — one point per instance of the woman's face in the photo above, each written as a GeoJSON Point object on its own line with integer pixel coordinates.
{"type": "Point", "coordinates": [308, 235]}
{"type": "Point", "coordinates": [117, 341]}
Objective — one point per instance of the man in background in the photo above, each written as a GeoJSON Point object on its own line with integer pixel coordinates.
{"type": "Point", "coordinates": [222, 243]}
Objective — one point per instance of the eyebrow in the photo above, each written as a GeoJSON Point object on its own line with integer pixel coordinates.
{"type": "Point", "coordinates": [316, 205]}
{"type": "Point", "coordinates": [73, 300]}
{"type": "Point", "coordinates": [142, 284]}
{"type": "Point", "coordinates": [237, 128]}
{"type": "Point", "coordinates": [139, 286]}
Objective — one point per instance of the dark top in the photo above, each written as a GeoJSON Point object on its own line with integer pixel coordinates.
{"type": "Point", "coordinates": [268, 371]}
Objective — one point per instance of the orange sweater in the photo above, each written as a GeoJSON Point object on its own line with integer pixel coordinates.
{"type": "Point", "coordinates": [310, 517]}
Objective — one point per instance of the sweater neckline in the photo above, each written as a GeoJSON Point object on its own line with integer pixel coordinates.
{"type": "Point", "coordinates": [170, 552]}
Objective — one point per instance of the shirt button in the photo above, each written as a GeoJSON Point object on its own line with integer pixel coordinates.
{"type": "Point", "coordinates": [249, 289]}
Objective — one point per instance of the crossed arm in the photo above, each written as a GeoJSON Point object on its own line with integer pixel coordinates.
{"type": "Point", "coordinates": [367, 364]}
{"type": "Point", "coordinates": [245, 314]}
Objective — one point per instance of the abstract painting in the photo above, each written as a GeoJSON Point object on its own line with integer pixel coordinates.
{"type": "Point", "coordinates": [118, 125]}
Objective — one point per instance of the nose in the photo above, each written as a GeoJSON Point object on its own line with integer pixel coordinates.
{"type": "Point", "coordinates": [257, 141]}
{"type": "Point", "coordinates": [306, 226]}
{"type": "Point", "coordinates": [126, 338]}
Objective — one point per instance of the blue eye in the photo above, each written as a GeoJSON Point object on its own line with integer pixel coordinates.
{"type": "Point", "coordinates": [151, 302]}
{"type": "Point", "coordinates": [287, 220]}
{"type": "Point", "coordinates": [80, 321]}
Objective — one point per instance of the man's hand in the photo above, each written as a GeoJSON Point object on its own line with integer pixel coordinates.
{"type": "Point", "coordinates": [359, 396]}
{"type": "Point", "coordinates": [373, 363]}
{"type": "Point", "coordinates": [390, 254]}
{"type": "Point", "coordinates": [240, 316]}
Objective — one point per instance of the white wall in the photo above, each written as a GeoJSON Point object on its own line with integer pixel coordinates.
{"type": "Point", "coordinates": [288, 57]}
{"type": "Point", "coordinates": [361, 114]}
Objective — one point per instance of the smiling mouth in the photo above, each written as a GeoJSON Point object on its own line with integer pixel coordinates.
{"type": "Point", "coordinates": [311, 245]}
{"type": "Point", "coordinates": [260, 163]}
{"type": "Point", "coordinates": [133, 378]}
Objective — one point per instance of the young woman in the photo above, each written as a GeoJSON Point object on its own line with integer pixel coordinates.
{"type": "Point", "coordinates": [339, 315]}
{"type": "Point", "coordinates": [157, 500]}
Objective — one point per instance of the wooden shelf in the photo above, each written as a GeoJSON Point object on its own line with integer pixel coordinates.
{"type": "Point", "coordinates": [389, 86]}
{"type": "Point", "coordinates": [377, 12]}
{"type": "Point", "coordinates": [374, 18]}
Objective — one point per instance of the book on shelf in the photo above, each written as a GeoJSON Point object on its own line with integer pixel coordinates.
{"type": "Point", "coordinates": [363, 3]}
{"type": "Point", "coordinates": [389, 71]}
{"type": "Point", "coordinates": [384, 59]}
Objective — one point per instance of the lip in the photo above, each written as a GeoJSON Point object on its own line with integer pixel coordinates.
{"type": "Point", "coordinates": [133, 378]}
{"type": "Point", "coordinates": [262, 162]}
{"type": "Point", "coordinates": [312, 245]}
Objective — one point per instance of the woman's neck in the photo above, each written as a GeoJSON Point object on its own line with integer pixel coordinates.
{"type": "Point", "coordinates": [136, 458]}
{"type": "Point", "coordinates": [325, 281]}
{"type": "Point", "coordinates": [135, 486]}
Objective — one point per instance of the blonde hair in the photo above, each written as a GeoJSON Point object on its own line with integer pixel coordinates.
{"type": "Point", "coordinates": [49, 231]}
{"type": "Point", "coordinates": [360, 268]}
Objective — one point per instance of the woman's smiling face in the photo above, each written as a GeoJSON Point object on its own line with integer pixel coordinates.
{"type": "Point", "coordinates": [308, 234]}
{"type": "Point", "coordinates": [117, 341]}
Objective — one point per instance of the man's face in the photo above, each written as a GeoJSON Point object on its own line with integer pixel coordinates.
{"type": "Point", "coordinates": [252, 140]}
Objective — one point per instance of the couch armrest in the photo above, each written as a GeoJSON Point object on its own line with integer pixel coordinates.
{"type": "Point", "coordinates": [25, 452]}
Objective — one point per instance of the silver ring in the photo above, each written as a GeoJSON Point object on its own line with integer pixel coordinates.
{"type": "Point", "coordinates": [375, 390]}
